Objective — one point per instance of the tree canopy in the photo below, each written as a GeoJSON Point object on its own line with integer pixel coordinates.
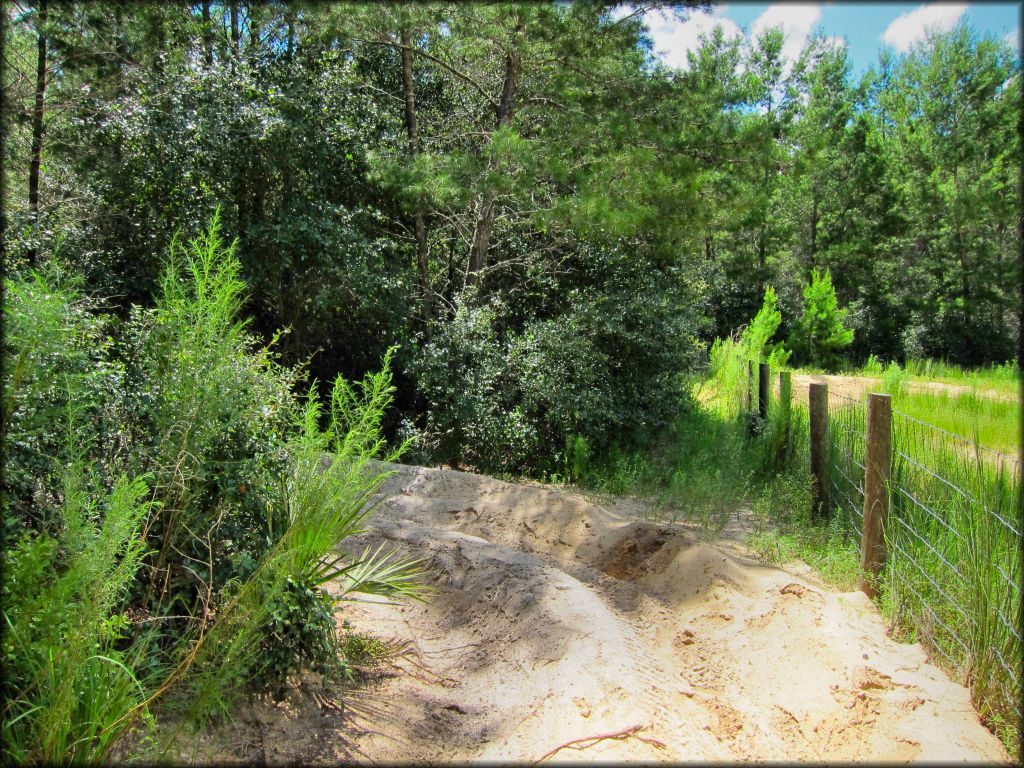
{"type": "Point", "coordinates": [550, 222]}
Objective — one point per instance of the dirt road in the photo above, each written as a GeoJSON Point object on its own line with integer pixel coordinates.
{"type": "Point", "coordinates": [556, 621]}
{"type": "Point", "coordinates": [855, 386]}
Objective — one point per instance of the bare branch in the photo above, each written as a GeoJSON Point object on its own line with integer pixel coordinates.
{"type": "Point", "coordinates": [458, 73]}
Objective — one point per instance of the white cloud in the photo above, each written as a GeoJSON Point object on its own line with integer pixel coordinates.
{"type": "Point", "coordinates": [907, 28]}
{"type": "Point", "coordinates": [674, 38]}
{"type": "Point", "coordinates": [621, 11]}
{"type": "Point", "coordinates": [1013, 39]}
{"type": "Point", "coordinates": [834, 42]}
{"type": "Point", "coordinates": [796, 19]}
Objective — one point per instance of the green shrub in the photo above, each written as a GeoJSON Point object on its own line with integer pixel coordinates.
{"type": "Point", "coordinates": [873, 366]}
{"type": "Point", "coordinates": [894, 379]}
{"type": "Point", "coordinates": [729, 360]}
{"type": "Point", "coordinates": [756, 336]}
{"type": "Point", "coordinates": [504, 391]}
{"type": "Point", "coordinates": [58, 395]}
{"type": "Point", "coordinates": [577, 456]}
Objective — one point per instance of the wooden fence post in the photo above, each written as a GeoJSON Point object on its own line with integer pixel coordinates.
{"type": "Point", "coordinates": [785, 398]}
{"type": "Point", "coordinates": [750, 386]}
{"type": "Point", "coordinates": [818, 406]}
{"type": "Point", "coordinates": [763, 389]}
{"type": "Point", "coordinates": [877, 463]}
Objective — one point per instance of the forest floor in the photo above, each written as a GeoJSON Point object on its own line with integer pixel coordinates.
{"type": "Point", "coordinates": [579, 629]}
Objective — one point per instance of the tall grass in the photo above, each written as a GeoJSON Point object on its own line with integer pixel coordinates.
{"type": "Point", "coordinates": [991, 422]}
{"type": "Point", "coordinates": [1002, 377]}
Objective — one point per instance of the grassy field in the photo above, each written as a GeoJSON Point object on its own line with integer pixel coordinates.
{"type": "Point", "coordinates": [981, 405]}
{"type": "Point", "coordinates": [1002, 378]}
{"type": "Point", "coordinates": [993, 423]}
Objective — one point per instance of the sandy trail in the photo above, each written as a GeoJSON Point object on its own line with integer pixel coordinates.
{"type": "Point", "coordinates": [556, 619]}
{"type": "Point", "coordinates": [855, 386]}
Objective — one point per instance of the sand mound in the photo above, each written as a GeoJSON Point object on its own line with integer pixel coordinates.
{"type": "Point", "coordinates": [556, 620]}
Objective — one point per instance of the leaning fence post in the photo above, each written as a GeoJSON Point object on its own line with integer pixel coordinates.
{"type": "Point", "coordinates": [818, 407]}
{"type": "Point", "coordinates": [877, 462]}
{"type": "Point", "coordinates": [763, 389]}
{"type": "Point", "coordinates": [785, 396]}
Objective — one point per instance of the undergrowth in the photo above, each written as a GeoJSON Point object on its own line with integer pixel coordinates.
{"type": "Point", "coordinates": [171, 510]}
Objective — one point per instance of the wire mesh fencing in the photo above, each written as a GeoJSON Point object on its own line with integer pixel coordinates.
{"type": "Point", "coordinates": [952, 574]}
{"type": "Point", "coordinates": [847, 424]}
{"type": "Point", "coordinates": [952, 579]}
{"type": "Point", "coordinates": [954, 568]}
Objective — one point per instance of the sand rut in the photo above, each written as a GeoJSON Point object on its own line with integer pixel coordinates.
{"type": "Point", "coordinates": [555, 619]}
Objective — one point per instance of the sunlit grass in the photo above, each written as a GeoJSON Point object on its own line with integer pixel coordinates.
{"type": "Point", "coordinates": [993, 423]}
{"type": "Point", "coordinates": [998, 378]}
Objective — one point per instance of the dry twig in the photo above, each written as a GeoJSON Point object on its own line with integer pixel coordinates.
{"type": "Point", "coordinates": [625, 733]}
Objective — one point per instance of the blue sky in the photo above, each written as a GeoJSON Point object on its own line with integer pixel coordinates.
{"type": "Point", "coordinates": [866, 27]}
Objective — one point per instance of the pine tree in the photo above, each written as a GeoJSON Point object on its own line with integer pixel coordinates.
{"type": "Point", "coordinates": [820, 333]}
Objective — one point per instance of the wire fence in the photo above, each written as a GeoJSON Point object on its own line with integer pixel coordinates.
{"type": "Point", "coordinates": [955, 566]}
{"type": "Point", "coordinates": [953, 572]}
{"type": "Point", "coordinates": [847, 420]}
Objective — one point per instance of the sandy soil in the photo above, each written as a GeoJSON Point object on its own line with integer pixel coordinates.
{"type": "Point", "coordinates": [556, 620]}
{"type": "Point", "coordinates": [855, 386]}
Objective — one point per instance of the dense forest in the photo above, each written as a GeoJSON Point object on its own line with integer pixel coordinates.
{"type": "Point", "coordinates": [551, 223]}
{"type": "Point", "coordinates": [218, 215]}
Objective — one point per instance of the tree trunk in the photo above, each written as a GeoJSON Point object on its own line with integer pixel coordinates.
{"type": "Point", "coordinates": [762, 257]}
{"type": "Point", "coordinates": [290, 50]}
{"type": "Point", "coordinates": [235, 33]}
{"type": "Point", "coordinates": [4, 21]}
{"type": "Point", "coordinates": [121, 49]}
{"type": "Point", "coordinates": [254, 27]}
{"type": "Point", "coordinates": [419, 221]}
{"type": "Point", "coordinates": [157, 39]}
{"type": "Point", "coordinates": [814, 228]}
{"type": "Point", "coordinates": [487, 209]}
{"type": "Point", "coordinates": [481, 237]}
{"type": "Point", "coordinates": [207, 35]}
{"type": "Point", "coordinates": [37, 125]}
{"type": "Point", "coordinates": [449, 292]}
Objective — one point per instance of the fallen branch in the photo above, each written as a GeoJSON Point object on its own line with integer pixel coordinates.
{"type": "Point", "coordinates": [625, 733]}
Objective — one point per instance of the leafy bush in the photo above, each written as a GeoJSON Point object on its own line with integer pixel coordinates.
{"type": "Point", "coordinates": [56, 406]}
{"type": "Point", "coordinates": [505, 388]}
